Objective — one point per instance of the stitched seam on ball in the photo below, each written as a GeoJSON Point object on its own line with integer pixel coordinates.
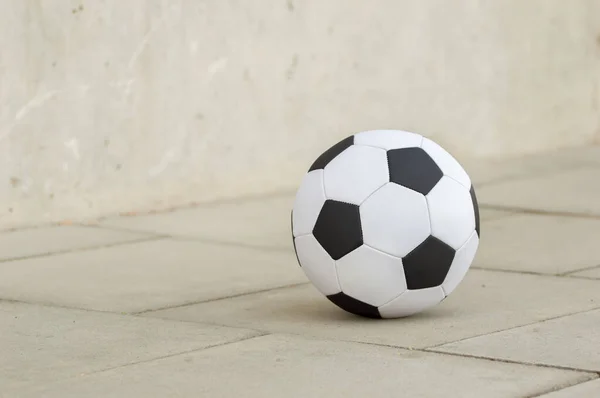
{"type": "Point", "coordinates": [401, 262]}
{"type": "Point", "coordinates": [467, 241]}
{"type": "Point", "coordinates": [302, 235]}
{"type": "Point", "coordinates": [428, 215]}
{"type": "Point", "coordinates": [387, 302]}
{"type": "Point", "coordinates": [458, 182]}
{"type": "Point", "coordinates": [323, 184]}
{"type": "Point", "coordinates": [373, 193]}
{"type": "Point", "coordinates": [373, 146]}
{"type": "Point", "coordinates": [337, 275]}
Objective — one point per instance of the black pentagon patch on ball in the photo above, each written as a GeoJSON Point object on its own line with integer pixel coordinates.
{"type": "Point", "coordinates": [354, 306]}
{"type": "Point", "coordinates": [338, 228]}
{"type": "Point", "coordinates": [413, 168]}
{"type": "Point", "coordinates": [428, 264]}
{"type": "Point", "coordinates": [476, 208]}
{"type": "Point", "coordinates": [331, 153]}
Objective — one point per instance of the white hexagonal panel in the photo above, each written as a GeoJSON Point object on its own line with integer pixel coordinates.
{"type": "Point", "coordinates": [308, 203]}
{"type": "Point", "coordinates": [451, 212]}
{"type": "Point", "coordinates": [355, 174]}
{"type": "Point", "coordinates": [317, 265]}
{"type": "Point", "coordinates": [412, 302]}
{"type": "Point", "coordinates": [388, 139]}
{"type": "Point", "coordinates": [449, 165]}
{"type": "Point", "coordinates": [371, 276]}
{"type": "Point", "coordinates": [395, 220]}
{"type": "Point", "coordinates": [460, 265]}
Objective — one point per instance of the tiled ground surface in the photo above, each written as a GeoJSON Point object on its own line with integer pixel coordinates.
{"type": "Point", "coordinates": [209, 302]}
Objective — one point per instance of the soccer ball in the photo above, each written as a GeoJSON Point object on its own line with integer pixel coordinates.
{"type": "Point", "coordinates": [385, 224]}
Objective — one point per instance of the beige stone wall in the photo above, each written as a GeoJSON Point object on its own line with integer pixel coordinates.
{"type": "Point", "coordinates": [110, 106]}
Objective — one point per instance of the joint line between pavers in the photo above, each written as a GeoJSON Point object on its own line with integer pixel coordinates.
{"type": "Point", "coordinates": [84, 249]}
{"type": "Point", "coordinates": [242, 339]}
{"type": "Point", "coordinates": [512, 328]}
{"type": "Point", "coordinates": [503, 360]}
{"type": "Point", "coordinates": [185, 238]}
{"type": "Point", "coordinates": [539, 173]}
{"type": "Point", "coordinates": [219, 242]}
{"type": "Point", "coordinates": [568, 273]}
{"type": "Point", "coordinates": [561, 387]}
{"type": "Point", "coordinates": [527, 210]}
{"type": "Point", "coordinates": [62, 307]}
{"type": "Point", "coordinates": [511, 271]}
{"type": "Point", "coordinates": [508, 361]}
{"type": "Point", "coordinates": [195, 205]}
{"type": "Point", "coordinates": [188, 304]}
{"type": "Point", "coordinates": [559, 275]}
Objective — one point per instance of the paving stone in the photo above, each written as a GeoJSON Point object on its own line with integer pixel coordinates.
{"type": "Point", "coordinates": [47, 240]}
{"type": "Point", "coordinates": [583, 390]}
{"type": "Point", "coordinates": [484, 302]}
{"type": "Point", "coordinates": [259, 222]}
{"type": "Point", "coordinates": [570, 341]}
{"type": "Point", "coordinates": [539, 243]}
{"type": "Point", "coordinates": [589, 273]}
{"type": "Point", "coordinates": [147, 275]}
{"type": "Point", "coordinates": [42, 344]}
{"type": "Point", "coordinates": [289, 366]}
{"type": "Point", "coordinates": [573, 191]}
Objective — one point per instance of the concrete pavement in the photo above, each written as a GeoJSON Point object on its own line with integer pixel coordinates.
{"type": "Point", "coordinates": [209, 302]}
